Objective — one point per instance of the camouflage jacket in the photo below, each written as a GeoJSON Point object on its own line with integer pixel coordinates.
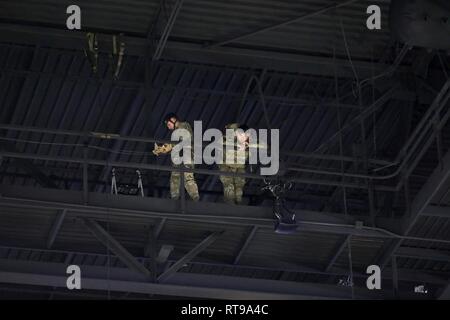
{"type": "Point", "coordinates": [188, 128]}
{"type": "Point", "coordinates": [235, 155]}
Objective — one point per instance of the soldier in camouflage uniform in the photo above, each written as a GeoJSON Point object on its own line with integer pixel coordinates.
{"type": "Point", "coordinates": [172, 122]}
{"type": "Point", "coordinates": [233, 187]}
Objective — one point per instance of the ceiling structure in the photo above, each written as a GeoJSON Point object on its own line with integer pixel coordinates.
{"type": "Point", "coordinates": [370, 168]}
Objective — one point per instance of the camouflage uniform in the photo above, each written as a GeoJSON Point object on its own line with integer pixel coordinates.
{"type": "Point", "coordinates": [233, 187]}
{"type": "Point", "coordinates": [189, 181]}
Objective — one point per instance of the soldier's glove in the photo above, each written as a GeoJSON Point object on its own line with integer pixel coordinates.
{"type": "Point", "coordinates": [165, 148]}
{"type": "Point", "coordinates": [157, 150]}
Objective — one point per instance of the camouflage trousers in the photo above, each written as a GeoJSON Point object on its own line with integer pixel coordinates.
{"type": "Point", "coordinates": [189, 184]}
{"type": "Point", "coordinates": [233, 187]}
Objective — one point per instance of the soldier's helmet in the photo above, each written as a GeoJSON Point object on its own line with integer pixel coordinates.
{"type": "Point", "coordinates": [169, 116]}
{"type": "Point", "coordinates": [244, 127]}
{"type": "Point", "coordinates": [235, 126]}
{"type": "Point", "coordinates": [232, 126]}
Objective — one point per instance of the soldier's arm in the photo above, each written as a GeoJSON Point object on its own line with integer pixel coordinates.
{"type": "Point", "coordinates": [186, 126]}
{"type": "Point", "coordinates": [167, 147]}
{"type": "Point", "coordinates": [257, 145]}
{"type": "Point", "coordinates": [189, 133]}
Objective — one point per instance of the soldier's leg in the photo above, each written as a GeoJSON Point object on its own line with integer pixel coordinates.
{"type": "Point", "coordinates": [191, 186]}
{"type": "Point", "coordinates": [239, 183]}
{"type": "Point", "coordinates": [175, 185]}
{"type": "Point", "coordinates": [228, 188]}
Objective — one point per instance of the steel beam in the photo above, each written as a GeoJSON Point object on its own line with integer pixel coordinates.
{"type": "Point", "coordinates": [386, 256]}
{"type": "Point", "coordinates": [445, 293]}
{"type": "Point", "coordinates": [300, 18]}
{"type": "Point", "coordinates": [245, 245]}
{"type": "Point", "coordinates": [300, 99]}
{"type": "Point", "coordinates": [154, 234]}
{"type": "Point", "coordinates": [189, 256]}
{"type": "Point", "coordinates": [351, 167]}
{"type": "Point", "coordinates": [56, 226]}
{"type": "Point", "coordinates": [196, 53]}
{"type": "Point", "coordinates": [150, 251]}
{"type": "Point", "coordinates": [421, 253]}
{"type": "Point", "coordinates": [28, 166]}
{"type": "Point", "coordinates": [121, 138]}
{"type": "Point", "coordinates": [365, 113]}
{"type": "Point", "coordinates": [439, 178]}
{"type": "Point", "coordinates": [167, 29]}
{"type": "Point", "coordinates": [437, 211]}
{"type": "Point", "coordinates": [103, 206]}
{"type": "Point", "coordinates": [395, 277]}
{"type": "Point", "coordinates": [422, 201]}
{"type": "Point", "coordinates": [85, 176]}
{"type": "Point", "coordinates": [337, 252]}
{"type": "Point", "coordinates": [160, 227]}
{"type": "Point", "coordinates": [181, 284]}
{"type": "Point", "coordinates": [164, 252]}
{"type": "Point", "coordinates": [166, 168]}
{"type": "Point", "coordinates": [112, 244]}
{"type": "Point", "coordinates": [145, 210]}
{"type": "Point", "coordinates": [405, 275]}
